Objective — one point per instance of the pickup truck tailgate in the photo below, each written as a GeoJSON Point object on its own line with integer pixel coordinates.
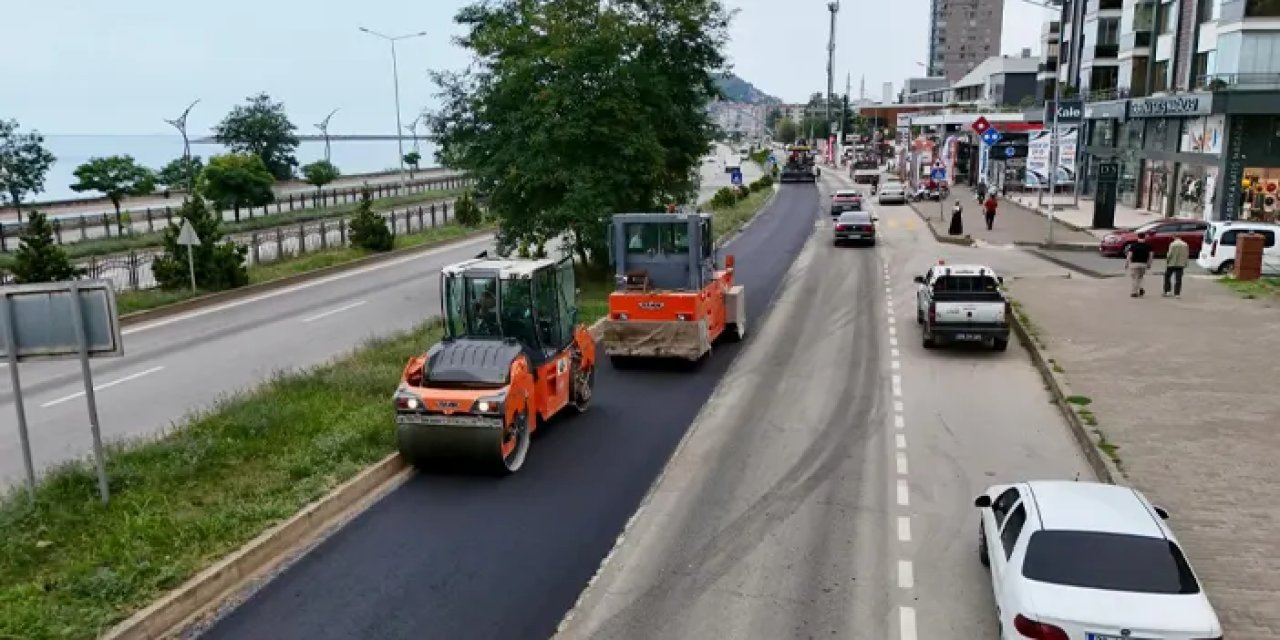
{"type": "Point", "coordinates": [969, 313]}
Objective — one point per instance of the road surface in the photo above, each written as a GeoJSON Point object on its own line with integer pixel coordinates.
{"type": "Point", "coordinates": [714, 177]}
{"type": "Point", "coordinates": [826, 490]}
{"type": "Point", "coordinates": [180, 364]}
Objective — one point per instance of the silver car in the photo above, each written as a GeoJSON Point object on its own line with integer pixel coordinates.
{"type": "Point", "coordinates": [891, 192]}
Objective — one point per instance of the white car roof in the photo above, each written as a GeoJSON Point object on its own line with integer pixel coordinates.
{"type": "Point", "coordinates": [1093, 506]}
{"type": "Point", "coordinates": [847, 192]}
{"type": "Point", "coordinates": [506, 268]}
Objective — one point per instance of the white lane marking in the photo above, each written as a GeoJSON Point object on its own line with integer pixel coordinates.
{"type": "Point", "coordinates": [907, 623]}
{"type": "Point", "coordinates": [900, 440]}
{"type": "Point", "coordinates": [901, 460]}
{"type": "Point", "coordinates": [897, 386]}
{"type": "Point", "coordinates": [893, 342]}
{"type": "Point", "coordinates": [888, 290]}
{"type": "Point", "coordinates": [100, 387]}
{"type": "Point", "coordinates": [893, 331]}
{"type": "Point", "coordinates": [898, 422]}
{"type": "Point", "coordinates": [301, 286]}
{"type": "Point", "coordinates": [894, 352]}
{"type": "Point", "coordinates": [906, 574]}
{"type": "Point", "coordinates": [904, 529]}
{"type": "Point", "coordinates": [904, 495]}
{"type": "Point", "coordinates": [330, 312]}
{"type": "Point", "coordinates": [895, 364]}
{"type": "Point", "coordinates": [897, 406]}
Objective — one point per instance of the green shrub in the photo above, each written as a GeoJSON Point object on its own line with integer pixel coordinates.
{"type": "Point", "coordinates": [39, 258]}
{"type": "Point", "coordinates": [218, 264]}
{"type": "Point", "coordinates": [725, 197]}
{"type": "Point", "coordinates": [466, 211]}
{"type": "Point", "coordinates": [743, 192]}
{"type": "Point", "coordinates": [369, 230]}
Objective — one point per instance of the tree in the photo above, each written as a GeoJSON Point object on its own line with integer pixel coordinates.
{"type": "Point", "coordinates": [218, 264]}
{"type": "Point", "coordinates": [412, 159]}
{"type": "Point", "coordinates": [368, 230]}
{"type": "Point", "coordinates": [24, 162]}
{"type": "Point", "coordinates": [577, 109]}
{"type": "Point", "coordinates": [320, 173]}
{"type": "Point", "coordinates": [181, 175]}
{"type": "Point", "coordinates": [38, 258]}
{"type": "Point", "coordinates": [786, 131]}
{"type": "Point", "coordinates": [466, 212]}
{"type": "Point", "coordinates": [237, 180]}
{"type": "Point", "coordinates": [261, 128]}
{"type": "Point", "coordinates": [115, 177]}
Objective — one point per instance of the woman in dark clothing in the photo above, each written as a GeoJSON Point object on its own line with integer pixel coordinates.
{"type": "Point", "coordinates": [957, 225]}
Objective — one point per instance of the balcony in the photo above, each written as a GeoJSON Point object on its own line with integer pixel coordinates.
{"type": "Point", "coordinates": [1107, 5]}
{"type": "Point", "coordinates": [1238, 82]}
{"type": "Point", "coordinates": [1135, 40]}
{"type": "Point", "coordinates": [1107, 95]}
{"type": "Point", "coordinates": [1106, 51]}
{"type": "Point", "coordinates": [1241, 9]}
{"type": "Point", "coordinates": [1048, 67]}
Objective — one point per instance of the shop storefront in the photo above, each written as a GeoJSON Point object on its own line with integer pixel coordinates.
{"type": "Point", "coordinates": [1250, 171]}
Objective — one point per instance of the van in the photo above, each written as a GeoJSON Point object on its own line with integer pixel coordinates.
{"type": "Point", "coordinates": [1218, 252]}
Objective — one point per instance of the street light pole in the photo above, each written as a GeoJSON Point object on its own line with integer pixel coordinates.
{"type": "Point", "coordinates": [324, 131]}
{"type": "Point", "coordinates": [180, 123]}
{"type": "Point", "coordinates": [834, 8]}
{"type": "Point", "coordinates": [395, 74]}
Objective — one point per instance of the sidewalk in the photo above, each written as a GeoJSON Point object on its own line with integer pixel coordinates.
{"type": "Point", "coordinates": [1184, 389]}
{"type": "Point", "coordinates": [1081, 218]}
{"type": "Point", "coordinates": [1015, 224]}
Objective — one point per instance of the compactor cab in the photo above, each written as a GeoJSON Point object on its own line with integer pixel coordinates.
{"type": "Point", "coordinates": [671, 300]}
{"type": "Point", "coordinates": [514, 355]}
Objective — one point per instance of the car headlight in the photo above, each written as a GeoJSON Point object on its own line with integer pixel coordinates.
{"type": "Point", "coordinates": [490, 404]}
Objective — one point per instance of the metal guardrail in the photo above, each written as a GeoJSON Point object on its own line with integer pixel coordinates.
{"type": "Point", "coordinates": [131, 271]}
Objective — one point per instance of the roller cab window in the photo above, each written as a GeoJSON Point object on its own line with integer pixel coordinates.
{"type": "Point", "coordinates": [652, 239]}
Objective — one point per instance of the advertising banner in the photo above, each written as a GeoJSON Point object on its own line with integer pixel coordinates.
{"type": "Point", "coordinates": [1038, 143]}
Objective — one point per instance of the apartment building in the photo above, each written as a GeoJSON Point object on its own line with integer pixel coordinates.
{"type": "Point", "coordinates": [963, 33]}
{"type": "Point", "coordinates": [1047, 70]}
{"type": "Point", "coordinates": [1090, 46]}
{"type": "Point", "coordinates": [1194, 122]}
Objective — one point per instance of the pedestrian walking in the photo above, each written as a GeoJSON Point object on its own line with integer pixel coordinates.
{"type": "Point", "coordinates": [1175, 262]}
{"type": "Point", "coordinates": [989, 210]}
{"type": "Point", "coordinates": [1137, 261]}
{"type": "Point", "coordinates": [982, 190]}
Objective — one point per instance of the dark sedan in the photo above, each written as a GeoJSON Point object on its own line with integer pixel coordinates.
{"type": "Point", "coordinates": [855, 226]}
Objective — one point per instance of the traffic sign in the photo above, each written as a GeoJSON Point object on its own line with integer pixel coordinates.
{"type": "Point", "coordinates": [1009, 151]}
{"type": "Point", "coordinates": [736, 177]}
{"type": "Point", "coordinates": [991, 136]}
{"type": "Point", "coordinates": [981, 125]}
{"type": "Point", "coordinates": [938, 173]}
{"type": "Point", "coordinates": [187, 236]}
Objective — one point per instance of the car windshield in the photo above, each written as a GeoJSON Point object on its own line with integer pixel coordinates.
{"type": "Point", "coordinates": [486, 307]}
{"type": "Point", "coordinates": [1109, 561]}
{"type": "Point", "coordinates": [843, 195]}
{"type": "Point", "coordinates": [854, 218]}
{"type": "Point", "coordinates": [966, 284]}
{"type": "Point", "coordinates": [652, 238]}
{"type": "Point", "coordinates": [1149, 227]}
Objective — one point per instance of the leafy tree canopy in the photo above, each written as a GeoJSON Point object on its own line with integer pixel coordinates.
{"type": "Point", "coordinates": [24, 162]}
{"type": "Point", "coordinates": [262, 128]}
{"type": "Point", "coordinates": [237, 180]}
{"type": "Point", "coordinates": [577, 109]}
{"type": "Point", "coordinates": [320, 173]}
{"type": "Point", "coordinates": [115, 177]}
{"type": "Point", "coordinates": [39, 258]}
{"type": "Point", "coordinates": [181, 174]}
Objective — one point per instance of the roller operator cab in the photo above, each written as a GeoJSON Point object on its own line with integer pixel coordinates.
{"type": "Point", "coordinates": [514, 355]}
{"type": "Point", "coordinates": [670, 299]}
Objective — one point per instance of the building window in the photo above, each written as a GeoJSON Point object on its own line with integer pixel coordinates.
{"type": "Point", "coordinates": [1109, 31]}
{"type": "Point", "coordinates": [1143, 17]}
{"type": "Point", "coordinates": [1166, 18]}
{"type": "Point", "coordinates": [1160, 76]}
{"type": "Point", "coordinates": [1261, 9]}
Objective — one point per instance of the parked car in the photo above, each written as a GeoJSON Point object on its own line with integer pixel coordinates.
{"type": "Point", "coordinates": [892, 191]}
{"type": "Point", "coordinates": [1159, 234]}
{"type": "Point", "coordinates": [962, 303]}
{"type": "Point", "coordinates": [1219, 254]}
{"type": "Point", "coordinates": [846, 200]}
{"type": "Point", "coordinates": [1088, 561]}
{"type": "Point", "coordinates": [855, 226]}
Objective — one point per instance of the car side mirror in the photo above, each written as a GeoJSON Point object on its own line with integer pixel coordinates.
{"type": "Point", "coordinates": [918, 279]}
{"type": "Point", "coordinates": [982, 501]}
{"type": "Point", "coordinates": [729, 262]}
{"type": "Point", "coordinates": [1160, 511]}
{"type": "Point", "coordinates": [875, 218]}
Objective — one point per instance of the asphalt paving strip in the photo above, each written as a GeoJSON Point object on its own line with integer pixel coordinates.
{"type": "Point", "coordinates": [480, 558]}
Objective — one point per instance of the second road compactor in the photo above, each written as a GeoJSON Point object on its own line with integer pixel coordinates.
{"type": "Point", "coordinates": [514, 355]}
{"type": "Point", "coordinates": [671, 300]}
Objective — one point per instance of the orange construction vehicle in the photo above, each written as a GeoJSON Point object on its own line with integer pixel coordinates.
{"type": "Point", "coordinates": [671, 301]}
{"type": "Point", "coordinates": [514, 355]}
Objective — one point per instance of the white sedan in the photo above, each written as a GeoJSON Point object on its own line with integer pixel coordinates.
{"type": "Point", "coordinates": [891, 192]}
{"type": "Point", "coordinates": [1088, 561]}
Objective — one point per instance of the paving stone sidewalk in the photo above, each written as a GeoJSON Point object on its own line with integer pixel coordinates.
{"type": "Point", "coordinates": [1014, 223]}
{"type": "Point", "coordinates": [1187, 390]}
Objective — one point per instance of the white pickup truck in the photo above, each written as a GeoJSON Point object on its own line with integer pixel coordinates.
{"type": "Point", "coordinates": [962, 303]}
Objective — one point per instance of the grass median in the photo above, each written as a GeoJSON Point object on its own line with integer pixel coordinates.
{"type": "Point", "coordinates": [146, 299]}
{"type": "Point", "coordinates": [1252, 289]}
{"type": "Point", "coordinates": [70, 568]}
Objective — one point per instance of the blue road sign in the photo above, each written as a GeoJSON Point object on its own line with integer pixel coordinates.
{"type": "Point", "coordinates": [991, 136]}
{"type": "Point", "coordinates": [736, 177]}
{"type": "Point", "coordinates": [773, 158]}
{"type": "Point", "coordinates": [938, 173]}
{"type": "Point", "coordinates": [1009, 152]}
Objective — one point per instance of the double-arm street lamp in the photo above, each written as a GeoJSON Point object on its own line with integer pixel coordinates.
{"type": "Point", "coordinates": [395, 73]}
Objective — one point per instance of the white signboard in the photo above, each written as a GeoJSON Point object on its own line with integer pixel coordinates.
{"type": "Point", "coordinates": [1038, 143]}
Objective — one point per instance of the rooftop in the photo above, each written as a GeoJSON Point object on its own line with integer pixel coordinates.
{"type": "Point", "coordinates": [1093, 506]}
{"type": "Point", "coordinates": [505, 267]}
{"type": "Point", "coordinates": [996, 65]}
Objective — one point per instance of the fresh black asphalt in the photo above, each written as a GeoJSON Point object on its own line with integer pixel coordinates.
{"type": "Point", "coordinates": [479, 558]}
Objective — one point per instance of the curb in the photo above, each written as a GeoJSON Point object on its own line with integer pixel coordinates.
{"type": "Point", "coordinates": [1067, 264]}
{"type": "Point", "coordinates": [210, 299]}
{"type": "Point", "coordinates": [1103, 468]}
{"type": "Point", "coordinates": [212, 585]}
{"type": "Point", "coordinates": [966, 241]}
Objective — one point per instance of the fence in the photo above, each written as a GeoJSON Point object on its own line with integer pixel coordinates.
{"type": "Point", "coordinates": [132, 271]}
{"type": "Point", "coordinates": [67, 230]}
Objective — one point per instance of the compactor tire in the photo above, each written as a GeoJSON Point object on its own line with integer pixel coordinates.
{"type": "Point", "coordinates": [509, 463]}
{"type": "Point", "coordinates": [581, 405]}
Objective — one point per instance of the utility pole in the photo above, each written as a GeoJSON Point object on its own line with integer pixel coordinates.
{"type": "Point", "coordinates": [324, 131]}
{"type": "Point", "coordinates": [834, 8]}
{"type": "Point", "coordinates": [180, 123]}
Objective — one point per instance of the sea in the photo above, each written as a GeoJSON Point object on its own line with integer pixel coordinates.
{"type": "Point", "coordinates": [155, 151]}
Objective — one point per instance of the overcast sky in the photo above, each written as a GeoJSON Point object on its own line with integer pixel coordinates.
{"type": "Point", "coordinates": [122, 66]}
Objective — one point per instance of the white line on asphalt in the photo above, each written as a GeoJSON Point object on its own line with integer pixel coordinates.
{"type": "Point", "coordinates": [893, 331]}
{"type": "Point", "coordinates": [904, 496]}
{"type": "Point", "coordinates": [100, 387]}
{"type": "Point", "coordinates": [901, 459]}
{"type": "Point", "coordinates": [301, 286]}
{"type": "Point", "coordinates": [898, 422]}
{"type": "Point", "coordinates": [894, 352]}
{"type": "Point", "coordinates": [888, 289]}
{"type": "Point", "coordinates": [904, 529]}
{"type": "Point", "coordinates": [897, 386]}
{"type": "Point", "coordinates": [895, 364]}
{"type": "Point", "coordinates": [330, 312]}
{"type": "Point", "coordinates": [897, 406]}
{"type": "Point", "coordinates": [900, 440]}
{"type": "Point", "coordinates": [893, 342]}
{"type": "Point", "coordinates": [907, 623]}
{"type": "Point", "coordinates": [906, 574]}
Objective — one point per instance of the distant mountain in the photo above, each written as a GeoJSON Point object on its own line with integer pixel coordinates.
{"type": "Point", "coordinates": [736, 89]}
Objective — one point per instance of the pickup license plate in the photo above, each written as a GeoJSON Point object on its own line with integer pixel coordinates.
{"type": "Point", "coordinates": [969, 337]}
{"type": "Point", "coordinates": [1103, 636]}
